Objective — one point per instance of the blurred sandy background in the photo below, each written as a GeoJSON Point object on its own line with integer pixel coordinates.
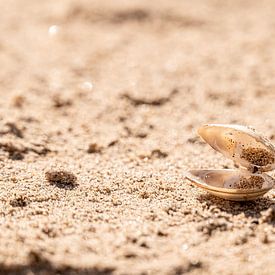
{"type": "Point", "coordinates": [112, 92]}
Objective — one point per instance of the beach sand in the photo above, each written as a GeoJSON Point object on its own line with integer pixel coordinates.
{"type": "Point", "coordinates": [99, 106]}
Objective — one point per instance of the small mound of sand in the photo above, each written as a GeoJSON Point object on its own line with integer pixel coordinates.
{"type": "Point", "coordinates": [61, 178]}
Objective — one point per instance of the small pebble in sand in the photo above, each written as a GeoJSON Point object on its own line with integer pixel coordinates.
{"type": "Point", "coordinates": [94, 148]}
{"type": "Point", "coordinates": [59, 102]}
{"type": "Point", "coordinates": [158, 154]}
{"type": "Point", "coordinates": [258, 156]}
{"type": "Point", "coordinates": [264, 238]}
{"type": "Point", "coordinates": [254, 182]}
{"type": "Point", "coordinates": [18, 101]}
{"type": "Point", "coordinates": [61, 178]}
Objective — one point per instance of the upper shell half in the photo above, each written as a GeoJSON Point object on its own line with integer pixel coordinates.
{"type": "Point", "coordinates": [242, 144]}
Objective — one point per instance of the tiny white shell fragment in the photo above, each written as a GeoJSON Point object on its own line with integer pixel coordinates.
{"type": "Point", "coordinates": [53, 30]}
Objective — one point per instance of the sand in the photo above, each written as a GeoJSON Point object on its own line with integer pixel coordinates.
{"type": "Point", "coordinates": [111, 94]}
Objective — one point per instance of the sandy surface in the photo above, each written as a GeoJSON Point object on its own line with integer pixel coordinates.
{"type": "Point", "coordinates": [114, 95]}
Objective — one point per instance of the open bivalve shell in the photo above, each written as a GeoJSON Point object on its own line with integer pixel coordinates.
{"type": "Point", "coordinates": [247, 149]}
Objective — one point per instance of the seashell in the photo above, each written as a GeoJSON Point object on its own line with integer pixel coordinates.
{"type": "Point", "coordinates": [254, 153]}
{"type": "Point", "coordinates": [232, 184]}
{"type": "Point", "coordinates": [241, 144]}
